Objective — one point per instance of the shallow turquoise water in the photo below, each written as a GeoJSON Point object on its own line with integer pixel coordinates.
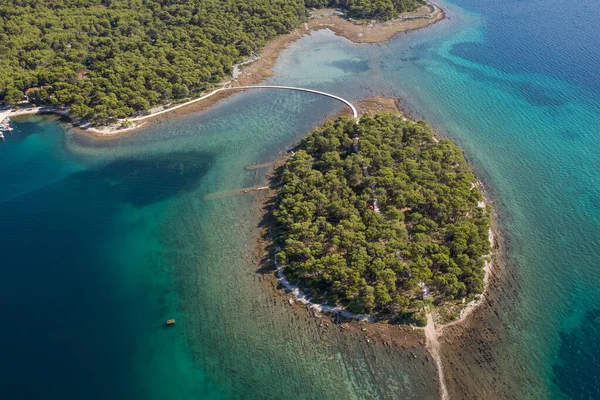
{"type": "Point", "coordinates": [102, 242]}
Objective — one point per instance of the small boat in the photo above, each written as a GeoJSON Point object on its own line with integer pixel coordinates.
{"type": "Point", "coordinates": [1, 135]}
{"type": "Point", "coordinates": [170, 322]}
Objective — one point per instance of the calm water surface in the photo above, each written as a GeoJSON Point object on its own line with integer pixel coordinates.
{"type": "Point", "coordinates": [102, 242]}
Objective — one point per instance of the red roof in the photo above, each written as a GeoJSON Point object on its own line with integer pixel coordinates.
{"type": "Point", "coordinates": [33, 89]}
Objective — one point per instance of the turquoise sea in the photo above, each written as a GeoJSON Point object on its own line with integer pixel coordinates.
{"type": "Point", "coordinates": [102, 241]}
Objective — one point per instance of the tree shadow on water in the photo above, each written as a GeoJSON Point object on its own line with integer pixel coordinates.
{"type": "Point", "coordinates": [145, 181]}
{"type": "Point", "coordinates": [268, 236]}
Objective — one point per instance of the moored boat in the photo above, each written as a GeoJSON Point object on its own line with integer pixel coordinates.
{"type": "Point", "coordinates": [5, 125]}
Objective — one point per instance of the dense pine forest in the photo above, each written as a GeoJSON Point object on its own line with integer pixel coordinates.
{"type": "Point", "coordinates": [382, 218]}
{"type": "Point", "coordinates": [376, 9]}
{"type": "Point", "coordinates": [106, 59]}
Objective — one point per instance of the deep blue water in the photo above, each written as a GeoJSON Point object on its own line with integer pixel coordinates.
{"type": "Point", "coordinates": [71, 324]}
{"type": "Point", "coordinates": [101, 242]}
{"type": "Point", "coordinates": [550, 37]}
{"type": "Point", "coordinates": [546, 53]}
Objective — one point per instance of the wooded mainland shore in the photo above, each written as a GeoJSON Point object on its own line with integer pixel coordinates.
{"type": "Point", "coordinates": [115, 68]}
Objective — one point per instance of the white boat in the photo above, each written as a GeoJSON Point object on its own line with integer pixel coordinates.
{"type": "Point", "coordinates": [1, 135]}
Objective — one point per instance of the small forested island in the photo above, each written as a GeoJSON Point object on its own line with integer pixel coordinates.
{"type": "Point", "coordinates": [382, 218]}
{"type": "Point", "coordinates": [108, 59]}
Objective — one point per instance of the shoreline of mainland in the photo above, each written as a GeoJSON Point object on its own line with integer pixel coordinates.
{"type": "Point", "coordinates": [258, 70]}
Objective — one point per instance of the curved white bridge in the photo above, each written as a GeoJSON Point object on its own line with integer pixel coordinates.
{"type": "Point", "coordinates": [346, 102]}
{"type": "Point", "coordinates": [332, 96]}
